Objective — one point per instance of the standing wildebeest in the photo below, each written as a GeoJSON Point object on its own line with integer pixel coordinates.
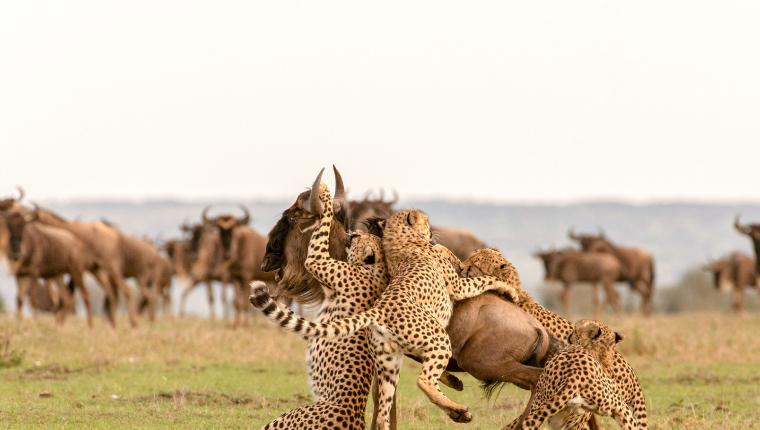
{"type": "Point", "coordinates": [105, 244]}
{"type": "Point", "coordinates": [734, 274]}
{"type": "Point", "coordinates": [489, 335]}
{"type": "Point", "coordinates": [242, 250]}
{"type": "Point", "coordinates": [459, 241]}
{"type": "Point", "coordinates": [204, 255]}
{"type": "Point", "coordinates": [37, 251]}
{"type": "Point", "coordinates": [753, 232]}
{"type": "Point", "coordinates": [143, 262]}
{"type": "Point", "coordinates": [637, 264]}
{"type": "Point", "coordinates": [570, 266]}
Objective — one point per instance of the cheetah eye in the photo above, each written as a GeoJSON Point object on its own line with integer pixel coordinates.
{"type": "Point", "coordinates": [503, 267]}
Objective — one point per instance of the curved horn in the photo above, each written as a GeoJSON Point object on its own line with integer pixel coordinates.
{"type": "Point", "coordinates": [340, 191]}
{"type": "Point", "coordinates": [571, 234]}
{"type": "Point", "coordinates": [204, 215]}
{"type": "Point", "coordinates": [315, 206]}
{"type": "Point", "coordinates": [394, 200]}
{"type": "Point", "coordinates": [246, 217]}
{"type": "Point", "coordinates": [741, 228]}
{"type": "Point", "coordinates": [21, 193]}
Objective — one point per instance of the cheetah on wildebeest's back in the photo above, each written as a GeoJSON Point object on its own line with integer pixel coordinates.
{"type": "Point", "coordinates": [411, 315]}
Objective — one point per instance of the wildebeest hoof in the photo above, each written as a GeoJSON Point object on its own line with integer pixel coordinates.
{"type": "Point", "coordinates": [460, 416]}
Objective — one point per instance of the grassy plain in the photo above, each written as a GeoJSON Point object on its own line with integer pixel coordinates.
{"type": "Point", "coordinates": [699, 371]}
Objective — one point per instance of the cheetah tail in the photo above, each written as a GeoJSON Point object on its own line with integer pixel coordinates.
{"type": "Point", "coordinates": [287, 319]}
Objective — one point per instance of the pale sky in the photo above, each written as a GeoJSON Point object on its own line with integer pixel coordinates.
{"type": "Point", "coordinates": [537, 101]}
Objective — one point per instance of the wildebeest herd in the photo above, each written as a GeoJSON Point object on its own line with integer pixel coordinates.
{"type": "Point", "coordinates": [358, 260]}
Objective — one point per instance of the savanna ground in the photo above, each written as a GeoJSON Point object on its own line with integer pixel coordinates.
{"type": "Point", "coordinates": [699, 371]}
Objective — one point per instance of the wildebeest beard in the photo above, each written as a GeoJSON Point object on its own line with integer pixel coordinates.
{"type": "Point", "coordinates": [288, 244]}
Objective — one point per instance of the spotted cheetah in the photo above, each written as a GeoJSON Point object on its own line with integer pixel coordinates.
{"type": "Point", "coordinates": [340, 370]}
{"type": "Point", "coordinates": [491, 262]}
{"type": "Point", "coordinates": [411, 314]}
{"type": "Point", "coordinates": [578, 377]}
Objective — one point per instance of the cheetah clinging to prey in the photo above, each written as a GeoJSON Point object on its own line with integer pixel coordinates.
{"type": "Point", "coordinates": [411, 314]}
{"type": "Point", "coordinates": [491, 262]}
{"type": "Point", "coordinates": [578, 377]}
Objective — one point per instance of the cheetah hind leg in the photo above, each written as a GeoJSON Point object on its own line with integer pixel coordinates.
{"type": "Point", "coordinates": [388, 359]}
{"type": "Point", "coordinates": [434, 361]}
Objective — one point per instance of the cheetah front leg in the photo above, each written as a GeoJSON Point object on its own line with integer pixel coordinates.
{"type": "Point", "coordinates": [465, 288]}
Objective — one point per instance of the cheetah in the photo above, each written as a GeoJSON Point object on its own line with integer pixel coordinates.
{"type": "Point", "coordinates": [340, 370]}
{"type": "Point", "coordinates": [577, 377]}
{"type": "Point", "coordinates": [491, 262]}
{"type": "Point", "coordinates": [411, 314]}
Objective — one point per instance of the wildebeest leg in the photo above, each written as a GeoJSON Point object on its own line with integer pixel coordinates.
{"type": "Point", "coordinates": [737, 300]}
{"type": "Point", "coordinates": [183, 297]}
{"type": "Point", "coordinates": [211, 304]}
{"type": "Point", "coordinates": [22, 287]}
{"type": "Point", "coordinates": [595, 300]}
{"type": "Point", "coordinates": [111, 297]}
{"type": "Point", "coordinates": [646, 297]}
{"type": "Point", "coordinates": [117, 279]}
{"type": "Point", "coordinates": [565, 298]}
{"type": "Point", "coordinates": [67, 299]}
{"type": "Point", "coordinates": [147, 287]}
{"type": "Point", "coordinates": [78, 281]}
{"type": "Point", "coordinates": [612, 296]}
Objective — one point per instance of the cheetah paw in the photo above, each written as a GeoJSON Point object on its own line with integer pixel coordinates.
{"type": "Point", "coordinates": [460, 416]}
{"type": "Point", "coordinates": [259, 294]}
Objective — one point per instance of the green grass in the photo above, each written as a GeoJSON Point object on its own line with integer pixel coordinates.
{"type": "Point", "coordinates": [698, 372]}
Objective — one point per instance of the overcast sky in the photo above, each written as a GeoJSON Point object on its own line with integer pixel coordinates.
{"type": "Point", "coordinates": [509, 101]}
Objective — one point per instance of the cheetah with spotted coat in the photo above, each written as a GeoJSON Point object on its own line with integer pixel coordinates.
{"type": "Point", "coordinates": [411, 314]}
{"type": "Point", "coordinates": [579, 377]}
{"type": "Point", "coordinates": [491, 262]}
{"type": "Point", "coordinates": [340, 370]}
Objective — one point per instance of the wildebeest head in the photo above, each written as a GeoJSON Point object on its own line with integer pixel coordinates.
{"type": "Point", "coordinates": [16, 222]}
{"type": "Point", "coordinates": [226, 224]}
{"type": "Point", "coordinates": [8, 203]}
{"type": "Point", "coordinates": [178, 251]}
{"type": "Point", "coordinates": [550, 258]}
{"type": "Point", "coordinates": [288, 241]}
{"type": "Point", "coordinates": [751, 230]}
{"type": "Point", "coordinates": [590, 242]}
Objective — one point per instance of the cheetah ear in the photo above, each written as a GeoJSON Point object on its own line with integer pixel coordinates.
{"type": "Point", "coordinates": [618, 337]}
{"type": "Point", "coordinates": [411, 217]}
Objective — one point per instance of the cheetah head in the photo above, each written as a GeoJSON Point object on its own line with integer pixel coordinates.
{"type": "Point", "coordinates": [594, 334]}
{"type": "Point", "coordinates": [489, 261]}
{"type": "Point", "coordinates": [408, 225]}
{"type": "Point", "coordinates": [364, 248]}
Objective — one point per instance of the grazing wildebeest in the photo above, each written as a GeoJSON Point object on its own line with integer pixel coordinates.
{"type": "Point", "coordinates": [637, 264]}
{"type": "Point", "coordinates": [36, 250]}
{"type": "Point", "coordinates": [753, 232]}
{"type": "Point", "coordinates": [473, 327]}
{"type": "Point", "coordinates": [734, 273]}
{"type": "Point", "coordinates": [242, 251]}
{"type": "Point", "coordinates": [570, 266]}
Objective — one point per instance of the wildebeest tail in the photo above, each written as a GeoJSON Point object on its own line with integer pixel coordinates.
{"type": "Point", "coordinates": [287, 319]}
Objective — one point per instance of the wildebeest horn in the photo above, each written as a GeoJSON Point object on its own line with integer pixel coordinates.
{"type": "Point", "coordinates": [246, 217]}
{"type": "Point", "coordinates": [381, 198]}
{"type": "Point", "coordinates": [340, 191]}
{"type": "Point", "coordinates": [21, 193]}
{"type": "Point", "coordinates": [315, 206]}
{"type": "Point", "coordinates": [394, 200]}
{"type": "Point", "coordinates": [204, 215]}
{"type": "Point", "coordinates": [741, 228]}
{"type": "Point", "coordinates": [571, 233]}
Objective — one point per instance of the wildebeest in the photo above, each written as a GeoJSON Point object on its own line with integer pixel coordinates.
{"type": "Point", "coordinates": [7, 204]}
{"type": "Point", "coordinates": [753, 232]}
{"type": "Point", "coordinates": [366, 208]}
{"type": "Point", "coordinates": [570, 266]}
{"type": "Point", "coordinates": [637, 264]}
{"type": "Point", "coordinates": [205, 257]}
{"type": "Point", "coordinates": [734, 273]}
{"type": "Point", "coordinates": [36, 250]}
{"type": "Point", "coordinates": [459, 241]}
{"type": "Point", "coordinates": [242, 252]}
{"type": "Point", "coordinates": [106, 245]}
{"type": "Point", "coordinates": [474, 325]}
